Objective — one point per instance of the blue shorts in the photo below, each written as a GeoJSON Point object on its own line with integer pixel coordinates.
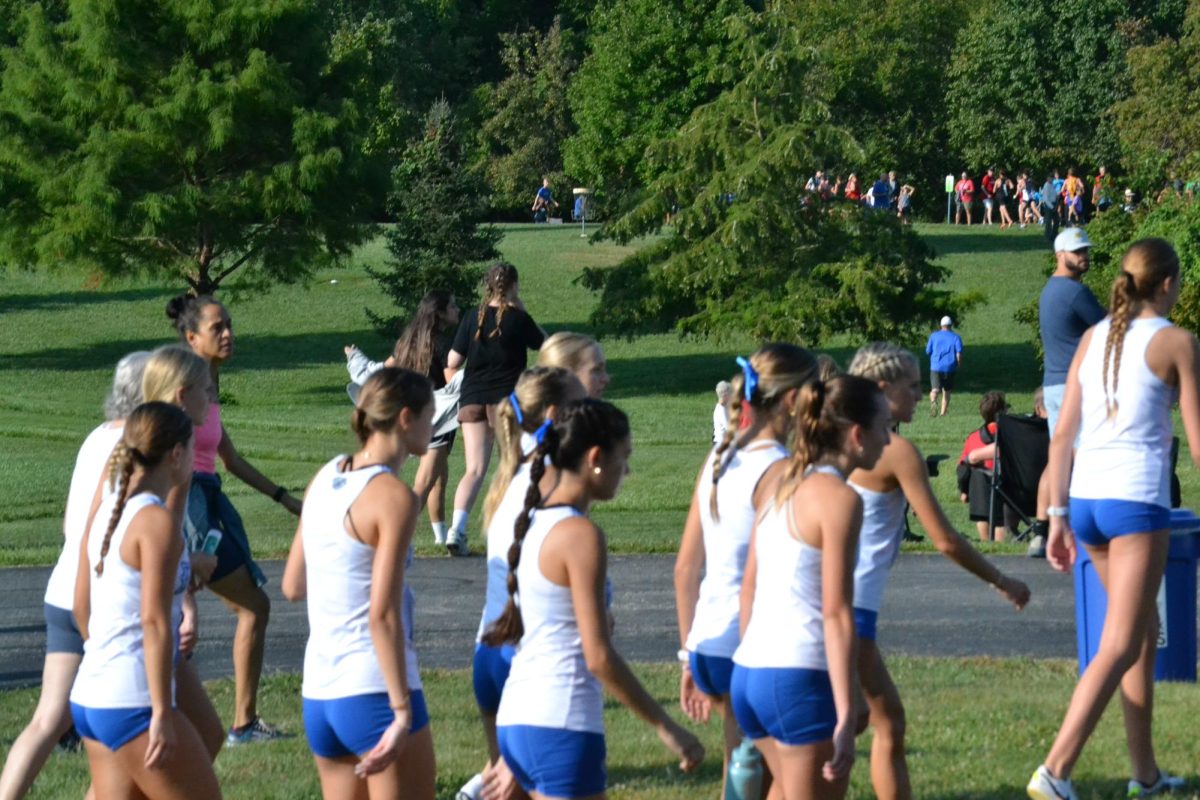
{"type": "Point", "coordinates": [1096, 522]}
{"type": "Point", "coordinates": [112, 727]}
{"type": "Point", "coordinates": [489, 673]}
{"type": "Point", "coordinates": [864, 623]}
{"type": "Point", "coordinates": [791, 706]}
{"type": "Point", "coordinates": [554, 762]}
{"type": "Point", "coordinates": [712, 674]}
{"type": "Point", "coordinates": [351, 726]}
{"type": "Point", "coordinates": [62, 635]}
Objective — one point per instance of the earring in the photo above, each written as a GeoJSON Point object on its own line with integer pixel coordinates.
{"type": "Point", "coordinates": [596, 470]}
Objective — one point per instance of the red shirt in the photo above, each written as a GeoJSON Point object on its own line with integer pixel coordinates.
{"type": "Point", "coordinates": [974, 442]}
{"type": "Point", "coordinates": [989, 185]}
{"type": "Point", "coordinates": [965, 189]}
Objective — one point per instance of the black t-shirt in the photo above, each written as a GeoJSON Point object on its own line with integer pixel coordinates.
{"type": "Point", "coordinates": [495, 362]}
{"type": "Point", "coordinates": [437, 365]}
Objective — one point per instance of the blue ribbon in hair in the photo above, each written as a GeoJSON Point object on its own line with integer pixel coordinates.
{"type": "Point", "coordinates": [516, 407]}
{"type": "Point", "coordinates": [750, 376]}
{"type": "Point", "coordinates": [540, 434]}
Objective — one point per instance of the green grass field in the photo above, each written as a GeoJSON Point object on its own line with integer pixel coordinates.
{"type": "Point", "coordinates": [59, 339]}
{"type": "Point", "coordinates": [977, 729]}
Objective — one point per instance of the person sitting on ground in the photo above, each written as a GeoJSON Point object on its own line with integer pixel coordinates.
{"type": "Point", "coordinates": [976, 464]}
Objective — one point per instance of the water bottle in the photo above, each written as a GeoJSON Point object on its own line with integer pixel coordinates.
{"type": "Point", "coordinates": [211, 541]}
{"type": "Point", "coordinates": [744, 781]}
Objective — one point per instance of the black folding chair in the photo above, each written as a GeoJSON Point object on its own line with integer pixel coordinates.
{"type": "Point", "coordinates": [1022, 450]}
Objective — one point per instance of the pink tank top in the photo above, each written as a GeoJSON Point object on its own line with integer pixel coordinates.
{"type": "Point", "coordinates": [208, 437]}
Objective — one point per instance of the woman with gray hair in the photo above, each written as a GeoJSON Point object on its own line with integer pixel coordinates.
{"type": "Point", "coordinates": [64, 646]}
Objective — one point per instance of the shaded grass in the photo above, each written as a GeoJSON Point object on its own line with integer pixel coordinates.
{"type": "Point", "coordinates": [287, 410]}
{"type": "Point", "coordinates": [977, 728]}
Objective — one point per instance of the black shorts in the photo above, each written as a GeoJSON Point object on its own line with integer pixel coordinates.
{"type": "Point", "coordinates": [446, 440]}
{"type": "Point", "coordinates": [62, 635]}
{"type": "Point", "coordinates": [942, 380]}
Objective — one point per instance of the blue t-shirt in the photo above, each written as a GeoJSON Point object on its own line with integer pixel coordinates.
{"type": "Point", "coordinates": [1066, 310]}
{"type": "Point", "coordinates": [943, 348]}
{"type": "Point", "coordinates": [544, 193]}
{"type": "Point", "coordinates": [881, 194]}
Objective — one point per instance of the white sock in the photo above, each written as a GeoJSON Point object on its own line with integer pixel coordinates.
{"type": "Point", "coordinates": [439, 530]}
{"type": "Point", "coordinates": [459, 520]}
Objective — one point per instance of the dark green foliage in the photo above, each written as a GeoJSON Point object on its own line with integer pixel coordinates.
{"type": "Point", "coordinates": [767, 263]}
{"type": "Point", "coordinates": [528, 119]}
{"type": "Point", "coordinates": [1032, 82]}
{"type": "Point", "coordinates": [437, 241]}
{"type": "Point", "coordinates": [649, 64]}
{"type": "Point", "coordinates": [186, 138]}
{"type": "Point", "coordinates": [1159, 123]}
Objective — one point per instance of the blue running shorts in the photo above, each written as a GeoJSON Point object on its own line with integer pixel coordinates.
{"type": "Point", "coordinates": [1097, 522]}
{"type": "Point", "coordinates": [712, 674]}
{"type": "Point", "coordinates": [112, 727]}
{"type": "Point", "coordinates": [351, 726]}
{"type": "Point", "coordinates": [489, 673]}
{"type": "Point", "coordinates": [555, 762]}
{"type": "Point", "coordinates": [790, 705]}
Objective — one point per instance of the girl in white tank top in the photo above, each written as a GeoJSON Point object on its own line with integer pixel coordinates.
{"type": "Point", "coordinates": [1119, 392]}
{"type": "Point", "coordinates": [716, 536]}
{"type": "Point", "coordinates": [550, 721]}
{"type": "Point", "coordinates": [364, 711]}
{"type": "Point", "coordinates": [127, 600]}
{"type": "Point", "coordinates": [798, 640]}
{"type": "Point", "coordinates": [899, 479]}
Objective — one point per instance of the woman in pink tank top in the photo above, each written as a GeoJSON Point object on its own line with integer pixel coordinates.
{"type": "Point", "coordinates": [204, 325]}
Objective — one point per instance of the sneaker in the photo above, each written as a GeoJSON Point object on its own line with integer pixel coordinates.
{"type": "Point", "coordinates": [439, 537]}
{"type": "Point", "coordinates": [256, 731]}
{"type": "Point", "coordinates": [1165, 783]}
{"type": "Point", "coordinates": [1044, 786]}
{"type": "Point", "coordinates": [471, 790]}
{"type": "Point", "coordinates": [456, 543]}
{"type": "Point", "coordinates": [1037, 546]}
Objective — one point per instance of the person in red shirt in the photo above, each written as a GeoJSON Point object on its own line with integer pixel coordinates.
{"type": "Point", "coordinates": [975, 465]}
{"type": "Point", "coordinates": [988, 184]}
{"type": "Point", "coordinates": [964, 194]}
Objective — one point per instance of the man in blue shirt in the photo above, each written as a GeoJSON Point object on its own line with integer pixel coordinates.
{"type": "Point", "coordinates": [944, 349]}
{"type": "Point", "coordinates": [880, 193]}
{"type": "Point", "coordinates": [542, 202]}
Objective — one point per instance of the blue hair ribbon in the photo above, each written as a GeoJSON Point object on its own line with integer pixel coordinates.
{"type": "Point", "coordinates": [540, 434]}
{"type": "Point", "coordinates": [751, 378]}
{"type": "Point", "coordinates": [516, 407]}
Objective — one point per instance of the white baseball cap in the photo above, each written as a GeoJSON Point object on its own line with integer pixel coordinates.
{"type": "Point", "coordinates": [946, 322]}
{"type": "Point", "coordinates": [1071, 240]}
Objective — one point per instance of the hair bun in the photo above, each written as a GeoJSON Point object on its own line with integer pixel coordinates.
{"type": "Point", "coordinates": [176, 306]}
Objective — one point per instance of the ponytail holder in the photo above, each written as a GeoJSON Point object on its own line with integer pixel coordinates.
{"type": "Point", "coordinates": [516, 407]}
{"type": "Point", "coordinates": [751, 379]}
{"type": "Point", "coordinates": [540, 434]}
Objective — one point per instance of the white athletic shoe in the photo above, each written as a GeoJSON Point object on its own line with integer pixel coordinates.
{"type": "Point", "coordinates": [1044, 786]}
{"type": "Point", "coordinates": [456, 543]}
{"type": "Point", "coordinates": [1165, 784]}
{"type": "Point", "coordinates": [471, 789]}
{"type": "Point", "coordinates": [439, 537]}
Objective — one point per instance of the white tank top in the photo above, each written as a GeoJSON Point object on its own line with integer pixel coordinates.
{"type": "Point", "coordinates": [549, 684]}
{"type": "Point", "coordinates": [90, 467]}
{"type": "Point", "coordinates": [113, 671]}
{"type": "Point", "coordinates": [1126, 458]}
{"type": "Point", "coordinates": [340, 659]}
{"type": "Point", "coordinates": [499, 540]}
{"type": "Point", "coordinates": [787, 629]}
{"type": "Point", "coordinates": [878, 543]}
{"type": "Point", "coordinates": [726, 542]}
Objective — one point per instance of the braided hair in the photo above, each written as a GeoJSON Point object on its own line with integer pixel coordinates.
{"type": "Point", "coordinates": [537, 389]}
{"type": "Point", "coordinates": [824, 412]}
{"type": "Point", "coordinates": [497, 283]}
{"type": "Point", "coordinates": [151, 431]}
{"type": "Point", "coordinates": [781, 368]}
{"type": "Point", "coordinates": [1144, 266]}
{"type": "Point", "coordinates": [883, 361]}
{"type": "Point", "coordinates": [577, 428]}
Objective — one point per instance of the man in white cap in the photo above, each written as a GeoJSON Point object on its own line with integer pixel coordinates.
{"type": "Point", "coordinates": [944, 349]}
{"type": "Point", "coordinates": [1066, 309]}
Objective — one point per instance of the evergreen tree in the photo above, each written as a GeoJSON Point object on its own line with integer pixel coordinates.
{"type": "Point", "coordinates": [528, 117]}
{"type": "Point", "coordinates": [751, 251]}
{"type": "Point", "coordinates": [191, 139]}
{"type": "Point", "coordinates": [437, 240]}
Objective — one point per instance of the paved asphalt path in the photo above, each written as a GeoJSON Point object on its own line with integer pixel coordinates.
{"type": "Point", "coordinates": [933, 608]}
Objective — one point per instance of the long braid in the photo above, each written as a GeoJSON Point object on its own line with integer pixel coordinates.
{"type": "Point", "coordinates": [120, 466]}
{"type": "Point", "coordinates": [479, 319]}
{"type": "Point", "coordinates": [807, 444]}
{"type": "Point", "coordinates": [730, 442]}
{"type": "Point", "coordinates": [882, 361]}
{"type": "Point", "coordinates": [509, 627]}
{"type": "Point", "coordinates": [1120, 310]}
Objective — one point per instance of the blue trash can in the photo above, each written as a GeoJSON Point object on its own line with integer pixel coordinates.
{"type": "Point", "coordinates": [1176, 658]}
